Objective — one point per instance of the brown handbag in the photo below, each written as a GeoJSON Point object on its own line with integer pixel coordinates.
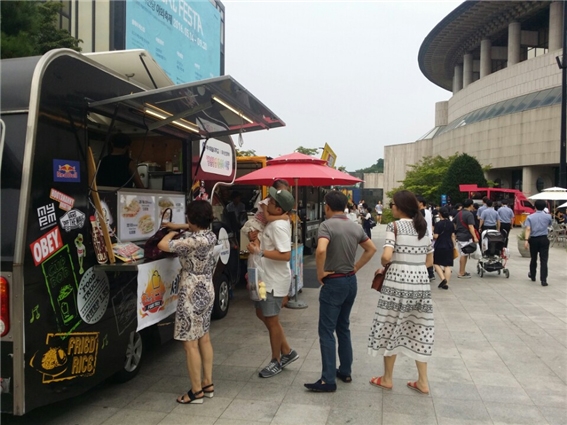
{"type": "Point", "coordinates": [379, 276]}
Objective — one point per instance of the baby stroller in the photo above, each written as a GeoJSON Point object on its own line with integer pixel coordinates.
{"type": "Point", "coordinates": [494, 253]}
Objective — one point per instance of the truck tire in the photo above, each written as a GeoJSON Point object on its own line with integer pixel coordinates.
{"type": "Point", "coordinates": [133, 358]}
{"type": "Point", "coordinates": [222, 297]}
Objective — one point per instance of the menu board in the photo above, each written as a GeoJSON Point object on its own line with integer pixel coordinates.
{"type": "Point", "coordinates": [140, 214]}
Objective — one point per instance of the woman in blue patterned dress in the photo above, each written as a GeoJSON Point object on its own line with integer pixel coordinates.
{"type": "Point", "coordinates": [195, 298]}
{"type": "Point", "coordinates": [403, 322]}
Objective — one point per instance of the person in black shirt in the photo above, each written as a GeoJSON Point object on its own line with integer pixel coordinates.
{"type": "Point", "coordinates": [117, 169]}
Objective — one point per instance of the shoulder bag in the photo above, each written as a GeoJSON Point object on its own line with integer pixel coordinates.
{"type": "Point", "coordinates": [151, 250]}
{"type": "Point", "coordinates": [380, 274]}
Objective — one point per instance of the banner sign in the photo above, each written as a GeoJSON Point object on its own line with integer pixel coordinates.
{"type": "Point", "coordinates": [158, 286]}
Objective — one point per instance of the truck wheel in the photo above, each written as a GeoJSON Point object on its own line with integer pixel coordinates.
{"type": "Point", "coordinates": [133, 360]}
{"type": "Point", "coordinates": [222, 297]}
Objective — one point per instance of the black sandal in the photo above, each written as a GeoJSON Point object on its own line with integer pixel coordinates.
{"type": "Point", "coordinates": [344, 378]}
{"type": "Point", "coordinates": [193, 399]}
{"type": "Point", "coordinates": [210, 393]}
{"type": "Point", "coordinates": [443, 284]}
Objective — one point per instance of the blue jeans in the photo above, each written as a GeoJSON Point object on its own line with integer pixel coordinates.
{"type": "Point", "coordinates": [336, 299]}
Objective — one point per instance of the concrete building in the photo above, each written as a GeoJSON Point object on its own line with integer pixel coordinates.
{"type": "Point", "coordinates": [499, 60]}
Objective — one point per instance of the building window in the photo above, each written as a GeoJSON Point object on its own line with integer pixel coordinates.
{"type": "Point", "coordinates": [539, 184]}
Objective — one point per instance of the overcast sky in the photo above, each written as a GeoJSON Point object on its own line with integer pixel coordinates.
{"type": "Point", "coordinates": [342, 73]}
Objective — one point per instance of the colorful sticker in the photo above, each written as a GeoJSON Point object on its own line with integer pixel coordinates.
{"type": "Point", "coordinates": [94, 292]}
{"type": "Point", "coordinates": [64, 360]}
{"type": "Point", "coordinates": [73, 219]}
{"type": "Point", "coordinates": [81, 251]}
{"type": "Point", "coordinates": [46, 216]}
{"type": "Point", "coordinates": [66, 171]}
{"type": "Point", "coordinates": [62, 288]}
{"type": "Point", "coordinates": [65, 201]}
{"type": "Point", "coordinates": [46, 246]}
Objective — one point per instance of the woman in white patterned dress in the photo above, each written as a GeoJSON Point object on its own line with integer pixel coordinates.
{"type": "Point", "coordinates": [195, 298]}
{"type": "Point", "coordinates": [403, 322]}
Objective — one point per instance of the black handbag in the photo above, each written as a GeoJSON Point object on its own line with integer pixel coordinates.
{"type": "Point", "coordinates": [151, 250]}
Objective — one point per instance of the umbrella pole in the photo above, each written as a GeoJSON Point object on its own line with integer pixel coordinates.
{"type": "Point", "coordinates": [296, 304]}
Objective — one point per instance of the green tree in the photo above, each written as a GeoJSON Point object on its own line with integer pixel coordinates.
{"type": "Point", "coordinates": [307, 151]}
{"type": "Point", "coordinates": [29, 29]}
{"type": "Point", "coordinates": [465, 169]}
{"type": "Point", "coordinates": [425, 177]}
{"type": "Point", "coordinates": [376, 168]}
{"type": "Point", "coordinates": [250, 152]}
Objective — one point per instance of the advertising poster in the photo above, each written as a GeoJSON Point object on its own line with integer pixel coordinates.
{"type": "Point", "coordinates": [183, 36]}
{"type": "Point", "coordinates": [158, 285]}
{"type": "Point", "coordinates": [137, 217]}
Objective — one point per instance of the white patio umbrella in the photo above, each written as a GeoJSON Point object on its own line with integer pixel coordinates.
{"type": "Point", "coordinates": [563, 205]}
{"type": "Point", "coordinates": [555, 189]}
{"type": "Point", "coordinates": [550, 196]}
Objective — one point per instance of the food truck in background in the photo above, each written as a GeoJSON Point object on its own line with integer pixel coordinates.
{"type": "Point", "coordinates": [516, 199]}
{"type": "Point", "coordinates": [72, 313]}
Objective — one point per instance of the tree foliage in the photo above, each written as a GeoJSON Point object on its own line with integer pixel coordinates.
{"type": "Point", "coordinates": [250, 152]}
{"type": "Point", "coordinates": [425, 177]}
{"type": "Point", "coordinates": [376, 168]}
{"type": "Point", "coordinates": [465, 169]}
{"type": "Point", "coordinates": [307, 151]}
{"type": "Point", "coordinates": [28, 29]}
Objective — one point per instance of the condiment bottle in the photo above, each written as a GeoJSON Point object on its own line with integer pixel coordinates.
{"type": "Point", "coordinates": [98, 241]}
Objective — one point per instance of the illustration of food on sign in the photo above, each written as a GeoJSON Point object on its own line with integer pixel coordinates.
{"type": "Point", "coordinates": [165, 203]}
{"type": "Point", "coordinates": [131, 209]}
{"type": "Point", "coordinates": [146, 224]}
{"type": "Point", "coordinates": [53, 362]}
{"type": "Point", "coordinates": [152, 297]}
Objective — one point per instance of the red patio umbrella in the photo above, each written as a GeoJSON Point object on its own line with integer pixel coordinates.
{"type": "Point", "coordinates": [302, 170]}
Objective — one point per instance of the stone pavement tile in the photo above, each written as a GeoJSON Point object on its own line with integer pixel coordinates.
{"type": "Point", "coordinates": [484, 377]}
{"type": "Point", "coordinates": [461, 421]}
{"type": "Point", "coordinates": [237, 422]}
{"type": "Point", "coordinates": [185, 418]}
{"type": "Point", "coordinates": [549, 398]}
{"type": "Point", "coordinates": [254, 359]}
{"type": "Point", "coordinates": [211, 408]}
{"type": "Point", "coordinates": [134, 417]}
{"type": "Point", "coordinates": [264, 391]}
{"type": "Point", "coordinates": [111, 395]}
{"type": "Point", "coordinates": [405, 419]}
{"type": "Point", "coordinates": [448, 410]}
{"type": "Point", "coordinates": [554, 415]}
{"type": "Point", "coordinates": [450, 375]}
{"type": "Point", "coordinates": [451, 390]}
{"type": "Point", "coordinates": [154, 401]}
{"type": "Point", "coordinates": [362, 400]}
{"type": "Point", "coordinates": [250, 410]}
{"type": "Point", "coordinates": [354, 417]}
{"type": "Point", "coordinates": [535, 369]}
{"type": "Point", "coordinates": [172, 384]}
{"type": "Point", "coordinates": [438, 362]}
{"type": "Point", "coordinates": [227, 388]}
{"type": "Point", "coordinates": [559, 335]}
{"type": "Point", "coordinates": [82, 414]}
{"type": "Point", "coordinates": [507, 413]}
{"type": "Point", "coordinates": [234, 373]}
{"type": "Point", "coordinates": [503, 394]}
{"type": "Point", "coordinates": [293, 414]}
{"type": "Point", "coordinates": [408, 404]}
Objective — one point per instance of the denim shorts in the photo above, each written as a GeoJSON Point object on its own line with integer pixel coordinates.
{"type": "Point", "coordinates": [271, 306]}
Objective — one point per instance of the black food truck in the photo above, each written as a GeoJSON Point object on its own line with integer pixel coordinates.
{"type": "Point", "coordinates": [72, 313]}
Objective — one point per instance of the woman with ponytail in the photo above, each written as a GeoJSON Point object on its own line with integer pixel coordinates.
{"type": "Point", "coordinates": [403, 322]}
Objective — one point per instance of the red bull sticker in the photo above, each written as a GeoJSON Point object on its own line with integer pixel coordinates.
{"type": "Point", "coordinates": [67, 171]}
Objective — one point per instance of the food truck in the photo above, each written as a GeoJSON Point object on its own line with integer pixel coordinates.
{"type": "Point", "coordinates": [516, 199]}
{"type": "Point", "coordinates": [72, 313]}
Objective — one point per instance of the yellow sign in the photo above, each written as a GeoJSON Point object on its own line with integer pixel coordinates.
{"type": "Point", "coordinates": [62, 360]}
{"type": "Point", "coordinates": [329, 155]}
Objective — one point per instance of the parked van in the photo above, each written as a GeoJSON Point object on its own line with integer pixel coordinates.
{"type": "Point", "coordinates": [71, 318]}
{"type": "Point", "coordinates": [516, 199]}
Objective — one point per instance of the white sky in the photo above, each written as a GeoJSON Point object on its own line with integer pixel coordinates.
{"type": "Point", "coordinates": [342, 73]}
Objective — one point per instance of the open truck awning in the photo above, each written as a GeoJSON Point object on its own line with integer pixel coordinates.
{"type": "Point", "coordinates": [208, 108]}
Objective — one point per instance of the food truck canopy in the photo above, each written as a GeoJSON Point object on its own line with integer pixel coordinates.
{"type": "Point", "coordinates": [208, 108]}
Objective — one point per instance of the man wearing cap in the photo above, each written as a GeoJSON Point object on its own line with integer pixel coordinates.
{"type": "Point", "coordinates": [275, 254]}
{"type": "Point", "coordinates": [338, 240]}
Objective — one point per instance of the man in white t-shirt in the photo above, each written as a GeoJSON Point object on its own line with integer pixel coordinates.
{"type": "Point", "coordinates": [276, 253]}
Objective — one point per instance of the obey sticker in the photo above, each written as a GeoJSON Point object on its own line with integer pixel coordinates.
{"type": "Point", "coordinates": [46, 246]}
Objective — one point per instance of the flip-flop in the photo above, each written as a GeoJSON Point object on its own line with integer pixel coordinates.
{"type": "Point", "coordinates": [377, 382]}
{"type": "Point", "coordinates": [413, 386]}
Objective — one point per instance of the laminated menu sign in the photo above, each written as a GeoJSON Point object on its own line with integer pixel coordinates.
{"type": "Point", "coordinates": [136, 216]}
{"type": "Point", "coordinates": [139, 214]}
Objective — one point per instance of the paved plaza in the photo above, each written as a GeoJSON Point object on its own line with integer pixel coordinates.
{"type": "Point", "coordinates": [499, 358]}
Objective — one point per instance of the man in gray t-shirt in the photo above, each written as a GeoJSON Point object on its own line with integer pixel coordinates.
{"type": "Point", "coordinates": [465, 233]}
{"type": "Point", "coordinates": [338, 240]}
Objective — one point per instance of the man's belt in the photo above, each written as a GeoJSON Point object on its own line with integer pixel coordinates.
{"type": "Point", "coordinates": [337, 275]}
